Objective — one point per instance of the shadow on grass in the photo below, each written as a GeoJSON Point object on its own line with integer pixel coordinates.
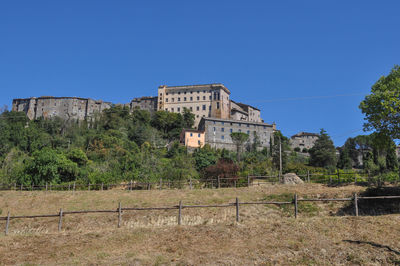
{"type": "Point", "coordinates": [374, 207]}
{"type": "Point", "coordinates": [373, 244]}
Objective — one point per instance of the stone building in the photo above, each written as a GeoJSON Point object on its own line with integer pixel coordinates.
{"type": "Point", "coordinates": [144, 103]}
{"type": "Point", "coordinates": [217, 132]}
{"type": "Point", "coordinates": [303, 140]}
{"type": "Point", "coordinates": [209, 100]}
{"type": "Point", "coordinates": [245, 112]}
{"type": "Point", "coordinates": [63, 107]}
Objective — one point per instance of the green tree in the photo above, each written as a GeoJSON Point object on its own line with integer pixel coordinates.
{"type": "Point", "coordinates": [382, 107]}
{"type": "Point", "coordinates": [278, 139]}
{"type": "Point", "coordinates": [323, 154]}
{"type": "Point", "coordinates": [239, 139]}
{"type": "Point", "coordinates": [188, 118]}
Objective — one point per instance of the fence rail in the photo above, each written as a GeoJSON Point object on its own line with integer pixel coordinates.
{"type": "Point", "coordinates": [180, 208]}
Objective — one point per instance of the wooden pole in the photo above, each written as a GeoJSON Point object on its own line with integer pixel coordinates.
{"type": "Point", "coordinates": [248, 181]}
{"type": "Point", "coordinates": [46, 186]}
{"type": "Point", "coordinates": [280, 160]}
{"type": "Point", "coordinates": [60, 220]}
{"type": "Point", "coordinates": [160, 183]}
{"type": "Point", "coordinates": [295, 205]}
{"type": "Point", "coordinates": [102, 186]}
{"type": "Point", "coordinates": [355, 178]}
{"type": "Point", "coordinates": [130, 186]}
{"type": "Point", "coordinates": [308, 176]}
{"type": "Point", "coordinates": [15, 186]}
{"type": "Point", "coordinates": [21, 187]}
{"type": "Point", "coordinates": [69, 187]}
{"type": "Point", "coordinates": [356, 204]}
{"type": "Point", "coordinates": [237, 209]}
{"type": "Point", "coordinates": [180, 213]}
{"type": "Point", "coordinates": [89, 186]}
{"type": "Point", "coordinates": [190, 183]}
{"type": "Point", "coordinates": [74, 186]}
{"type": "Point", "coordinates": [7, 223]}
{"type": "Point", "coordinates": [219, 182]}
{"type": "Point", "coordinates": [119, 215]}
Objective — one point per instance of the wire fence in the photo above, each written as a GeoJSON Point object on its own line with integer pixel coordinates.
{"type": "Point", "coordinates": [180, 207]}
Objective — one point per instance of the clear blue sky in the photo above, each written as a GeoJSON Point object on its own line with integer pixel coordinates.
{"type": "Point", "coordinates": [263, 51]}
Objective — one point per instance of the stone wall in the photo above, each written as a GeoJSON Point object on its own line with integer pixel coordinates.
{"type": "Point", "coordinates": [64, 107]}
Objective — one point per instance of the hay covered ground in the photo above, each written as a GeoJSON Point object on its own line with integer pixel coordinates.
{"type": "Point", "coordinates": [266, 235]}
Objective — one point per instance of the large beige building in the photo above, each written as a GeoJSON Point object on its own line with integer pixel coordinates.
{"type": "Point", "coordinates": [209, 100]}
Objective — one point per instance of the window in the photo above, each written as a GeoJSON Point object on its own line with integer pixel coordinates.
{"type": "Point", "coordinates": [179, 109]}
{"type": "Point", "coordinates": [248, 132]}
{"type": "Point", "coordinates": [198, 142]}
{"type": "Point", "coordinates": [191, 98]}
{"type": "Point", "coordinates": [173, 99]}
{"type": "Point", "coordinates": [198, 108]}
{"type": "Point", "coordinates": [184, 98]}
{"type": "Point", "coordinates": [222, 137]}
{"type": "Point", "coordinates": [199, 135]}
{"type": "Point", "coordinates": [191, 134]}
{"type": "Point", "coordinates": [166, 109]}
{"type": "Point", "coordinates": [223, 129]}
{"type": "Point", "coordinates": [248, 125]}
{"type": "Point", "coordinates": [185, 92]}
{"type": "Point", "coordinates": [209, 107]}
{"type": "Point", "coordinates": [198, 98]}
{"type": "Point", "coordinates": [179, 93]}
{"type": "Point", "coordinates": [166, 99]}
{"type": "Point", "coordinates": [161, 94]}
{"type": "Point", "coordinates": [179, 99]}
{"type": "Point", "coordinates": [214, 129]}
{"type": "Point", "coordinates": [172, 109]}
{"type": "Point", "coordinates": [214, 122]}
{"type": "Point", "coordinates": [231, 130]}
{"type": "Point", "coordinates": [204, 107]}
{"type": "Point", "coordinates": [166, 93]}
{"type": "Point", "coordinates": [240, 125]}
{"type": "Point", "coordinates": [240, 130]}
{"type": "Point", "coordinates": [204, 98]}
{"type": "Point", "coordinates": [210, 97]}
{"type": "Point", "coordinates": [191, 108]}
{"type": "Point", "coordinates": [222, 123]}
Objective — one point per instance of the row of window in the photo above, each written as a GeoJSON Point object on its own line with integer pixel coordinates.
{"type": "Point", "coordinates": [186, 98]}
{"type": "Point", "coordinates": [178, 109]}
{"type": "Point", "coordinates": [239, 124]}
{"type": "Point", "coordinates": [191, 92]}
{"type": "Point", "coordinates": [191, 134]}
{"type": "Point", "coordinates": [230, 130]}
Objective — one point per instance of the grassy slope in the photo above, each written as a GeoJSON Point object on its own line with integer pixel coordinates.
{"type": "Point", "coordinates": [209, 236]}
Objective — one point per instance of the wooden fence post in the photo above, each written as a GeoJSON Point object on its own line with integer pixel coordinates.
{"type": "Point", "coordinates": [15, 186]}
{"type": "Point", "coordinates": [60, 220]}
{"type": "Point", "coordinates": [21, 187]}
{"type": "Point", "coordinates": [119, 215]}
{"type": "Point", "coordinates": [69, 187]}
{"type": "Point", "coordinates": [7, 223]}
{"type": "Point", "coordinates": [295, 205]}
{"type": "Point", "coordinates": [180, 213]}
{"type": "Point", "coordinates": [356, 204]}
{"type": "Point", "coordinates": [46, 186]}
{"type": "Point", "coordinates": [248, 181]}
{"type": "Point", "coordinates": [190, 183]}
{"type": "Point", "coordinates": [32, 185]}
{"type": "Point", "coordinates": [308, 176]}
{"type": "Point", "coordinates": [237, 209]}
{"type": "Point", "coordinates": [102, 186]}
{"type": "Point", "coordinates": [219, 182]}
{"type": "Point", "coordinates": [89, 186]}
{"type": "Point", "coordinates": [355, 178]}
{"type": "Point", "coordinates": [130, 185]}
{"type": "Point", "coordinates": [74, 187]}
{"type": "Point", "coordinates": [160, 183]}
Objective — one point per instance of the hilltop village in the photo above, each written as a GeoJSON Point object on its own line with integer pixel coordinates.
{"type": "Point", "coordinates": [216, 115]}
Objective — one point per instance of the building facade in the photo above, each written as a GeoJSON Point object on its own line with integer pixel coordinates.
{"type": "Point", "coordinates": [192, 138]}
{"type": "Point", "coordinates": [245, 112]}
{"type": "Point", "coordinates": [209, 100]}
{"type": "Point", "coordinates": [144, 103]}
{"type": "Point", "coordinates": [64, 107]}
{"type": "Point", "coordinates": [217, 132]}
{"type": "Point", "coordinates": [303, 140]}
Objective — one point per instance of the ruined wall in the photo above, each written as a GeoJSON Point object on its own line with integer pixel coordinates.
{"type": "Point", "coordinates": [63, 107]}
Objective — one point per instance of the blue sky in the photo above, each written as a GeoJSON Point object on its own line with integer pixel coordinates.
{"type": "Point", "coordinates": [264, 51]}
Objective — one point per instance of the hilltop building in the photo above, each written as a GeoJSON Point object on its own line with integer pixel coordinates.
{"type": "Point", "coordinates": [303, 140]}
{"type": "Point", "coordinates": [148, 103]}
{"type": "Point", "coordinates": [217, 132]}
{"type": "Point", "coordinates": [209, 100]}
{"type": "Point", "coordinates": [63, 107]}
{"type": "Point", "coordinates": [192, 138]}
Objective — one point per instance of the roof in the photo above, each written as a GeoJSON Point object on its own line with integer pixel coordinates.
{"type": "Point", "coordinates": [57, 98]}
{"type": "Point", "coordinates": [243, 105]}
{"type": "Point", "coordinates": [234, 121]}
{"type": "Point", "coordinates": [192, 130]}
{"type": "Point", "coordinates": [304, 134]}
{"type": "Point", "coordinates": [198, 86]}
{"type": "Point", "coordinates": [144, 98]}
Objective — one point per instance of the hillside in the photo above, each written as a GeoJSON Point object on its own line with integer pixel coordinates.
{"type": "Point", "coordinates": [265, 234]}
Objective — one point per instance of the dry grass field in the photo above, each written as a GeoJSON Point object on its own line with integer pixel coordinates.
{"type": "Point", "coordinates": [266, 235]}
